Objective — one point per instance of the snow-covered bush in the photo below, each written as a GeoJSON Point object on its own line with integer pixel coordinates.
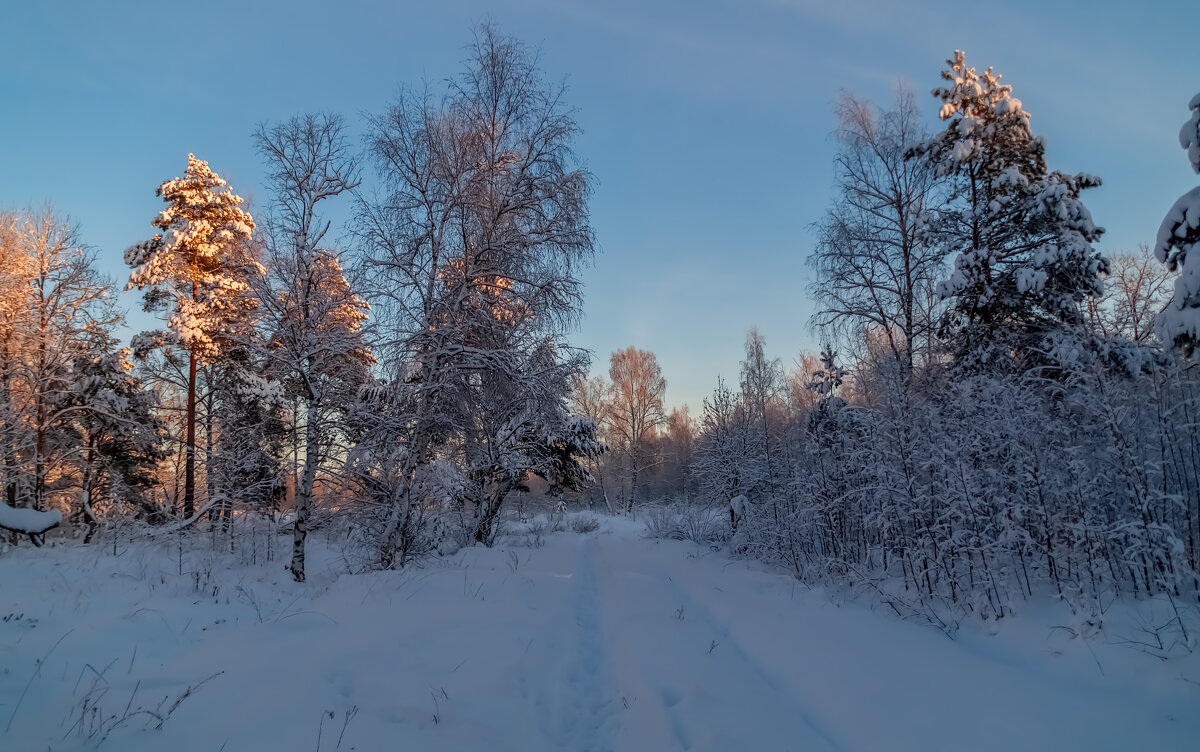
{"type": "Point", "coordinates": [692, 522]}
{"type": "Point", "coordinates": [967, 495]}
{"type": "Point", "coordinates": [1178, 246]}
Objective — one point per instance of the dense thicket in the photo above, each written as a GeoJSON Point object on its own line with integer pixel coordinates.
{"type": "Point", "coordinates": [1045, 443]}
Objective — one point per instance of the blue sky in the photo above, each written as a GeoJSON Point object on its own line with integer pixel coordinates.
{"type": "Point", "coordinates": [705, 123]}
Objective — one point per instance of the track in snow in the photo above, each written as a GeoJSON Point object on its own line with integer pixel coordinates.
{"type": "Point", "coordinates": [587, 643]}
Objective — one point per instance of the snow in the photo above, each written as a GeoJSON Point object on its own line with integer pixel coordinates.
{"type": "Point", "coordinates": [28, 520]}
{"type": "Point", "coordinates": [1182, 220]}
{"type": "Point", "coordinates": [1189, 134]}
{"type": "Point", "coordinates": [738, 504]}
{"type": "Point", "coordinates": [601, 641]}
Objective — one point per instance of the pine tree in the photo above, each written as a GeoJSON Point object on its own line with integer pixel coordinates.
{"type": "Point", "coordinates": [1020, 236]}
{"type": "Point", "coordinates": [827, 381]}
{"type": "Point", "coordinates": [251, 441]}
{"type": "Point", "coordinates": [1178, 247]}
{"type": "Point", "coordinates": [199, 264]}
{"type": "Point", "coordinates": [120, 433]}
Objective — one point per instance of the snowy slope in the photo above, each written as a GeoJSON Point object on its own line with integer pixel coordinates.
{"type": "Point", "coordinates": [605, 641]}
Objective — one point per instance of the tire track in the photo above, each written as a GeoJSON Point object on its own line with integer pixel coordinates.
{"type": "Point", "coordinates": [575, 706]}
{"type": "Point", "coordinates": [682, 690]}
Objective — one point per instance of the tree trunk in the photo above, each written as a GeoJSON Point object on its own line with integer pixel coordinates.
{"type": "Point", "coordinates": [304, 493]}
{"type": "Point", "coordinates": [218, 510]}
{"type": "Point", "coordinates": [85, 502]}
{"type": "Point", "coordinates": [485, 532]}
{"type": "Point", "coordinates": [189, 463]}
{"type": "Point", "coordinates": [632, 488]}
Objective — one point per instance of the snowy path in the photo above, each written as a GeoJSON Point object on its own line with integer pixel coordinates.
{"type": "Point", "coordinates": [592, 642]}
{"type": "Point", "coordinates": [687, 682]}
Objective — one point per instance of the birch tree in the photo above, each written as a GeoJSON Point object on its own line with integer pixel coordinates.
{"type": "Point", "coordinates": [875, 269]}
{"type": "Point", "coordinates": [67, 301]}
{"type": "Point", "coordinates": [1136, 291]}
{"type": "Point", "coordinates": [316, 347]}
{"type": "Point", "coordinates": [475, 248]}
{"type": "Point", "coordinates": [638, 389]}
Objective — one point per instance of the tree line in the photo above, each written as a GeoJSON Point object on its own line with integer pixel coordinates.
{"type": "Point", "coordinates": [999, 410]}
{"type": "Point", "coordinates": [412, 370]}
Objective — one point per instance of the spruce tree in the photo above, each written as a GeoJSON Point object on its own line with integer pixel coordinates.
{"type": "Point", "coordinates": [1020, 237]}
{"type": "Point", "coordinates": [121, 436]}
{"type": "Point", "coordinates": [1178, 247]}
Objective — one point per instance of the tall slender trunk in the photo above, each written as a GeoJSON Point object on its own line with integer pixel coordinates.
{"type": "Point", "coordinates": [39, 446]}
{"type": "Point", "coordinates": [8, 451]}
{"type": "Point", "coordinates": [218, 511]}
{"type": "Point", "coordinates": [89, 516]}
{"type": "Point", "coordinates": [189, 463]}
{"type": "Point", "coordinates": [401, 506]}
{"type": "Point", "coordinates": [485, 531]}
{"type": "Point", "coordinates": [304, 490]}
{"type": "Point", "coordinates": [632, 486]}
{"type": "Point", "coordinates": [39, 462]}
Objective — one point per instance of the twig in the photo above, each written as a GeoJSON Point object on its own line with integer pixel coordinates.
{"type": "Point", "coordinates": [37, 670]}
{"type": "Point", "coordinates": [353, 711]}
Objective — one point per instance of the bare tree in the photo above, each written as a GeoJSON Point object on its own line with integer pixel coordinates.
{"type": "Point", "coordinates": [762, 386]}
{"type": "Point", "coordinates": [474, 246]}
{"type": "Point", "coordinates": [638, 388]}
{"type": "Point", "coordinates": [681, 433]}
{"type": "Point", "coordinates": [592, 397]}
{"type": "Point", "coordinates": [800, 398]}
{"type": "Point", "coordinates": [1137, 289]}
{"type": "Point", "coordinates": [68, 300]}
{"type": "Point", "coordinates": [15, 287]}
{"type": "Point", "coordinates": [72, 419]}
{"type": "Point", "coordinates": [873, 269]}
{"type": "Point", "coordinates": [316, 348]}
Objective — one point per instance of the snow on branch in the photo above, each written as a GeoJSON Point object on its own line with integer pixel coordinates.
{"type": "Point", "coordinates": [29, 521]}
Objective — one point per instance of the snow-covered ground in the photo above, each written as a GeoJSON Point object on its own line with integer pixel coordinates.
{"type": "Point", "coordinates": [597, 641]}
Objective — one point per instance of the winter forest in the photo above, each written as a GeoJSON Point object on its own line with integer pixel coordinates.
{"type": "Point", "coordinates": [358, 450]}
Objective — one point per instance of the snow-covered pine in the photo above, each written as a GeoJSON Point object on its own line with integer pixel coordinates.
{"type": "Point", "coordinates": [201, 260]}
{"type": "Point", "coordinates": [1019, 235]}
{"type": "Point", "coordinates": [200, 265]}
{"type": "Point", "coordinates": [1178, 246]}
{"type": "Point", "coordinates": [121, 433]}
{"type": "Point", "coordinates": [252, 426]}
{"type": "Point", "coordinates": [827, 381]}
